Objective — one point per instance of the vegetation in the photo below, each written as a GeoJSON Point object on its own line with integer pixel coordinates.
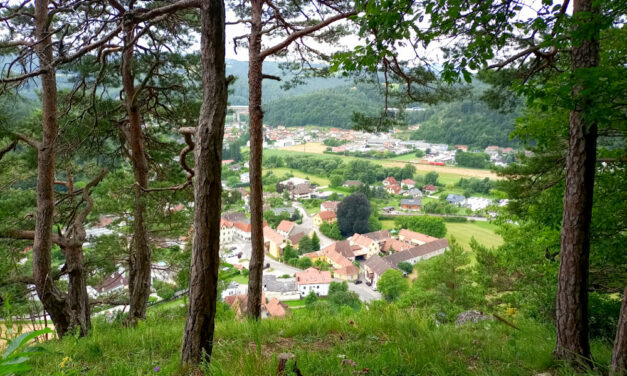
{"type": "Point", "coordinates": [392, 284]}
{"type": "Point", "coordinates": [424, 224]}
{"type": "Point", "coordinates": [353, 214]}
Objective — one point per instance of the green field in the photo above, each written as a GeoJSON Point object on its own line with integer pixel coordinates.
{"type": "Point", "coordinates": [281, 171]}
{"type": "Point", "coordinates": [484, 232]}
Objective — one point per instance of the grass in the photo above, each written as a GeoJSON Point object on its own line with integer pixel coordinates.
{"type": "Point", "coordinates": [281, 171]}
{"type": "Point", "coordinates": [484, 232]}
{"type": "Point", "coordinates": [385, 339]}
{"type": "Point", "coordinates": [242, 280]}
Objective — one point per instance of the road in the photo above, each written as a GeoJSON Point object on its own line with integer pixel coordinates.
{"type": "Point", "coordinates": [308, 222]}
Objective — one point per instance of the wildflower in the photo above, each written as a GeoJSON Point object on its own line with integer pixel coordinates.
{"type": "Point", "coordinates": [65, 361]}
{"type": "Point", "coordinates": [157, 369]}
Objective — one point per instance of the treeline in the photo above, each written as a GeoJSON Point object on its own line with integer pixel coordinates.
{"type": "Point", "coordinates": [466, 122]}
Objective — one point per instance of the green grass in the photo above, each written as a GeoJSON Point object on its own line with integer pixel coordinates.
{"type": "Point", "coordinates": [240, 279]}
{"type": "Point", "coordinates": [281, 171]}
{"type": "Point", "coordinates": [387, 224]}
{"type": "Point", "coordinates": [385, 339]}
{"type": "Point", "coordinates": [484, 232]}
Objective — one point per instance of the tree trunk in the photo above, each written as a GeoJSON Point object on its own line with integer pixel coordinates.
{"type": "Point", "coordinates": [199, 326]}
{"type": "Point", "coordinates": [255, 66]}
{"type": "Point", "coordinates": [51, 298]}
{"type": "Point", "coordinates": [619, 355]}
{"type": "Point", "coordinates": [139, 262]}
{"type": "Point", "coordinates": [572, 295]}
{"type": "Point", "coordinates": [77, 300]}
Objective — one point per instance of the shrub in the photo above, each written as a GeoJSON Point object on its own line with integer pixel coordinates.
{"type": "Point", "coordinates": [406, 267]}
{"type": "Point", "coordinates": [392, 284]}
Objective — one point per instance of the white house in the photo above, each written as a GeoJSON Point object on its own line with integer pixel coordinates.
{"type": "Point", "coordinates": [314, 280]}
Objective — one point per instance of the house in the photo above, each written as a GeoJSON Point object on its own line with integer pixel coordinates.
{"type": "Point", "coordinates": [281, 288]}
{"type": "Point", "coordinates": [236, 217]}
{"type": "Point", "coordinates": [393, 189]}
{"type": "Point", "coordinates": [394, 245]}
{"type": "Point", "coordinates": [244, 177]}
{"type": "Point", "coordinates": [351, 183]}
{"type": "Point", "coordinates": [408, 183]}
{"type": "Point", "coordinates": [413, 237]}
{"type": "Point", "coordinates": [375, 266]}
{"type": "Point", "coordinates": [242, 230]}
{"type": "Point", "coordinates": [378, 236]}
{"type": "Point", "coordinates": [329, 206]}
{"type": "Point", "coordinates": [389, 181]}
{"type": "Point", "coordinates": [273, 241]}
{"type": "Point", "coordinates": [115, 282]}
{"type": "Point", "coordinates": [463, 148]}
{"type": "Point", "coordinates": [272, 308]}
{"type": "Point", "coordinates": [226, 231]}
{"type": "Point", "coordinates": [227, 161]}
{"type": "Point", "coordinates": [455, 199]}
{"type": "Point", "coordinates": [324, 217]}
{"type": "Point", "coordinates": [413, 192]}
{"type": "Point", "coordinates": [314, 280]}
{"type": "Point", "coordinates": [285, 228]}
{"type": "Point", "coordinates": [367, 246]}
{"type": "Point", "coordinates": [429, 188]}
{"type": "Point", "coordinates": [411, 204]}
{"type": "Point", "coordinates": [347, 273]}
{"type": "Point", "coordinates": [301, 191]}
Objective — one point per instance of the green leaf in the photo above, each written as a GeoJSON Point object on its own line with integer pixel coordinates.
{"type": "Point", "coordinates": [23, 340]}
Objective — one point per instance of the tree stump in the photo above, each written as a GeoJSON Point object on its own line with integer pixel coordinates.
{"type": "Point", "coordinates": [284, 363]}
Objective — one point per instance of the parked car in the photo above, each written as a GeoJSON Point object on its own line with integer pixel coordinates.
{"type": "Point", "coordinates": [357, 282]}
{"type": "Point", "coordinates": [369, 283]}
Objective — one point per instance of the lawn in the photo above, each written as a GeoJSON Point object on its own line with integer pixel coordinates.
{"type": "Point", "coordinates": [484, 232]}
{"type": "Point", "coordinates": [384, 339]}
{"type": "Point", "coordinates": [281, 171]}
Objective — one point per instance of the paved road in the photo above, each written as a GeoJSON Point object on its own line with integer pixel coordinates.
{"type": "Point", "coordinates": [308, 222]}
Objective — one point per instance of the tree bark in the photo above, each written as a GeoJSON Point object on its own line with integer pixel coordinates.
{"type": "Point", "coordinates": [77, 299]}
{"type": "Point", "coordinates": [139, 262]}
{"type": "Point", "coordinates": [52, 299]}
{"type": "Point", "coordinates": [572, 296]}
{"type": "Point", "coordinates": [255, 78]}
{"type": "Point", "coordinates": [199, 326]}
{"type": "Point", "coordinates": [619, 355]}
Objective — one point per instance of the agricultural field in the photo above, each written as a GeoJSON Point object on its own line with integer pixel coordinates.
{"type": "Point", "coordinates": [484, 232]}
{"type": "Point", "coordinates": [281, 171]}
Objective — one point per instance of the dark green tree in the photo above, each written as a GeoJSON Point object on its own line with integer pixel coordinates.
{"type": "Point", "coordinates": [352, 214]}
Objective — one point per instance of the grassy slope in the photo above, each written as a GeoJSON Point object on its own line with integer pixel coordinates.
{"type": "Point", "coordinates": [484, 232]}
{"type": "Point", "coordinates": [384, 339]}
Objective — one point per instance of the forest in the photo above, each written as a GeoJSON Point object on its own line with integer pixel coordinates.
{"type": "Point", "coordinates": [124, 251]}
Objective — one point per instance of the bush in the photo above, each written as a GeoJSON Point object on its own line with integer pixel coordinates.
{"type": "Point", "coordinates": [392, 284]}
{"type": "Point", "coordinates": [406, 267]}
{"type": "Point", "coordinates": [456, 219]}
{"type": "Point", "coordinates": [331, 230]}
{"type": "Point", "coordinates": [433, 226]}
{"type": "Point", "coordinates": [304, 263]}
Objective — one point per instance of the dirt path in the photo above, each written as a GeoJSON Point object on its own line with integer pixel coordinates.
{"type": "Point", "coordinates": [319, 148]}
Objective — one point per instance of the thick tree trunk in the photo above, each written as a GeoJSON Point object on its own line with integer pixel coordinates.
{"type": "Point", "coordinates": [572, 296]}
{"type": "Point", "coordinates": [78, 300]}
{"type": "Point", "coordinates": [199, 326]}
{"type": "Point", "coordinates": [139, 262]}
{"type": "Point", "coordinates": [255, 68]}
{"type": "Point", "coordinates": [619, 355]}
{"type": "Point", "coordinates": [51, 298]}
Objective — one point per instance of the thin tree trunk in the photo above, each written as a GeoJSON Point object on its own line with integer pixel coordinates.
{"type": "Point", "coordinates": [199, 326]}
{"type": "Point", "coordinates": [255, 67]}
{"type": "Point", "coordinates": [619, 355]}
{"type": "Point", "coordinates": [572, 296]}
{"type": "Point", "coordinates": [139, 262]}
{"type": "Point", "coordinates": [51, 298]}
{"type": "Point", "coordinates": [78, 300]}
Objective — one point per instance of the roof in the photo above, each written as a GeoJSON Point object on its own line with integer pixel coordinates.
{"type": "Point", "coordinates": [408, 182]}
{"type": "Point", "coordinates": [394, 187]}
{"type": "Point", "coordinates": [236, 217]}
{"type": "Point", "coordinates": [326, 215]}
{"type": "Point", "coordinates": [342, 247]}
{"type": "Point", "coordinates": [276, 309]}
{"type": "Point", "coordinates": [378, 235]}
{"type": "Point", "coordinates": [452, 197]}
{"type": "Point", "coordinates": [271, 283]}
{"type": "Point", "coordinates": [225, 223]}
{"type": "Point", "coordinates": [408, 201]}
{"type": "Point", "coordinates": [361, 240]}
{"type": "Point", "coordinates": [313, 276]}
{"type": "Point", "coordinates": [377, 264]}
{"type": "Point", "coordinates": [429, 187]}
{"type": "Point", "coordinates": [270, 235]}
{"type": "Point", "coordinates": [286, 226]}
{"type": "Point", "coordinates": [417, 236]}
{"type": "Point", "coordinates": [337, 258]}
{"type": "Point", "coordinates": [395, 245]}
{"type": "Point", "coordinates": [295, 239]}
{"type": "Point", "coordinates": [242, 226]}
{"type": "Point", "coordinates": [421, 250]}
{"type": "Point", "coordinates": [302, 189]}
{"type": "Point", "coordinates": [330, 205]}
{"type": "Point", "coordinates": [390, 180]}
{"type": "Point", "coordinates": [414, 192]}
{"type": "Point", "coordinates": [347, 270]}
